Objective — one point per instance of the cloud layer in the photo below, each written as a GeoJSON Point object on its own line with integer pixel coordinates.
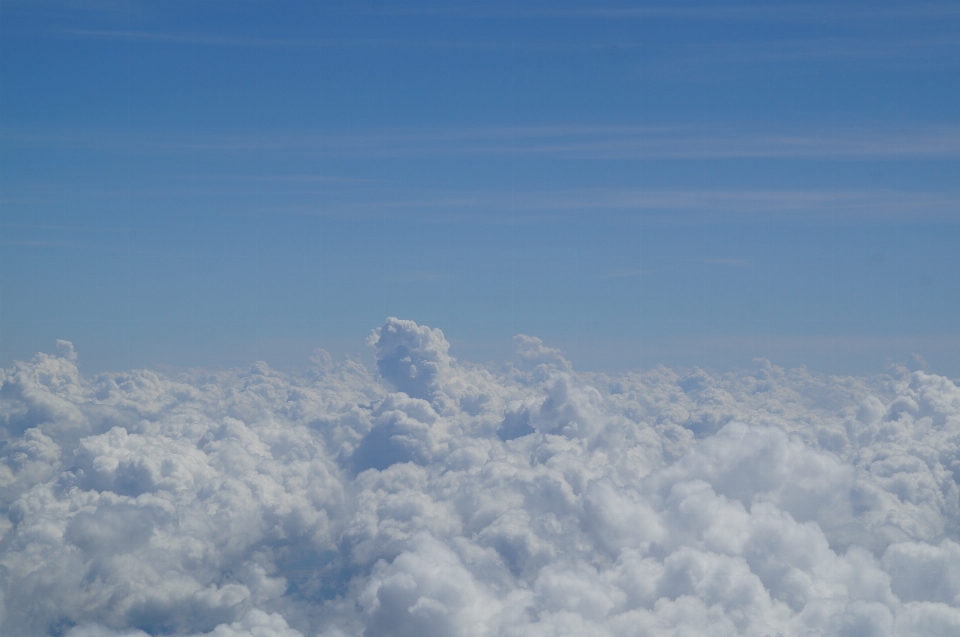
{"type": "Point", "coordinates": [434, 497]}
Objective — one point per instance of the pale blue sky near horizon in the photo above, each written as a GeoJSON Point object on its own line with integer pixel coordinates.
{"type": "Point", "coordinates": [213, 183]}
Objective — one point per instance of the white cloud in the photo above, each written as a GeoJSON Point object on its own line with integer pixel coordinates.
{"type": "Point", "coordinates": [438, 497]}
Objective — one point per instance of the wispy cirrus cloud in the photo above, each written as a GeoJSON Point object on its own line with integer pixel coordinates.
{"type": "Point", "coordinates": [660, 206]}
{"type": "Point", "coordinates": [360, 199]}
{"type": "Point", "coordinates": [419, 276]}
{"type": "Point", "coordinates": [939, 47]}
{"type": "Point", "coordinates": [295, 178]}
{"type": "Point", "coordinates": [735, 12]}
{"type": "Point", "coordinates": [765, 12]}
{"type": "Point", "coordinates": [575, 141]}
{"type": "Point", "coordinates": [743, 263]}
{"type": "Point", "coordinates": [655, 142]}
{"type": "Point", "coordinates": [37, 244]}
{"type": "Point", "coordinates": [626, 273]}
{"type": "Point", "coordinates": [286, 42]}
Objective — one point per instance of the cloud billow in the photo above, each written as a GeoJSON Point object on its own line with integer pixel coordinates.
{"type": "Point", "coordinates": [436, 497]}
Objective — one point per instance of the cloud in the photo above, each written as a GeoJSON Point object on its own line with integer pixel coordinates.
{"type": "Point", "coordinates": [435, 496]}
{"type": "Point", "coordinates": [302, 43]}
{"type": "Point", "coordinates": [570, 141]}
{"type": "Point", "coordinates": [739, 262]}
{"type": "Point", "coordinates": [621, 142]}
{"type": "Point", "coordinates": [39, 244]}
{"type": "Point", "coordinates": [626, 273]}
{"type": "Point", "coordinates": [420, 276]}
{"type": "Point", "coordinates": [858, 44]}
{"type": "Point", "coordinates": [740, 12]}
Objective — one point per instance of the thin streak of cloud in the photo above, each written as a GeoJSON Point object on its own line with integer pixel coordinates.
{"type": "Point", "coordinates": [419, 276]}
{"type": "Point", "coordinates": [36, 226]}
{"type": "Point", "coordinates": [562, 141]}
{"type": "Point", "coordinates": [38, 244]}
{"type": "Point", "coordinates": [664, 206]}
{"type": "Point", "coordinates": [719, 52]}
{"type": "Point", "coordinates": [286, 42]}
{"type": "Point", "coordinates": [744, 263]}
{"type": "Point", "coordinates": [626, 273]}
{"type": "Point", "coordinates": [657, 143]}
{"type": "Point", "coordinates": [833, 48]}
{"type": "Point", "coordinates": [511, 207]}
{"type": "Point", "coordinates": [794, 12]}
{"type": "Point", "coordinates": [294, 178]}
{"type": "Point", "coordinates": [808, 12]}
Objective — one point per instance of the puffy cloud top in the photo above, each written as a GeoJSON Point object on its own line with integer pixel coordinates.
{"type": "Point", "coordinates": [435, 497]}
{"type": "Point", "coordinates": [412, 358]}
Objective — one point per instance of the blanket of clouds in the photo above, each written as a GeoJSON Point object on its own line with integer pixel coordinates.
{"type": "Point", "coordinates": [434, 497]}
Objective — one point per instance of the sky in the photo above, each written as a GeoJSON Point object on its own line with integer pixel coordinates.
{"type": "Point", "coordinates": [213, 183]}
{"type": "Point", "coordinates": [479, 320]}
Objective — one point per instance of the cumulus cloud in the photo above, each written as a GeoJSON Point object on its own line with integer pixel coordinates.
{"type": "Point", "coordinates": [431, 496]}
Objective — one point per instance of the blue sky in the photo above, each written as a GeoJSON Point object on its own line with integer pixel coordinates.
{"type": "Point", "coordinates": [212, 183]}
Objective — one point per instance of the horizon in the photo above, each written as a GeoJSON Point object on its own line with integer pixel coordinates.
{"type": "Point", "coordinates": [301, 356]}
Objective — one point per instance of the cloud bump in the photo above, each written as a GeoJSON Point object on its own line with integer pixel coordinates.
{"type": "Point", "coordinates": [436, 497]}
